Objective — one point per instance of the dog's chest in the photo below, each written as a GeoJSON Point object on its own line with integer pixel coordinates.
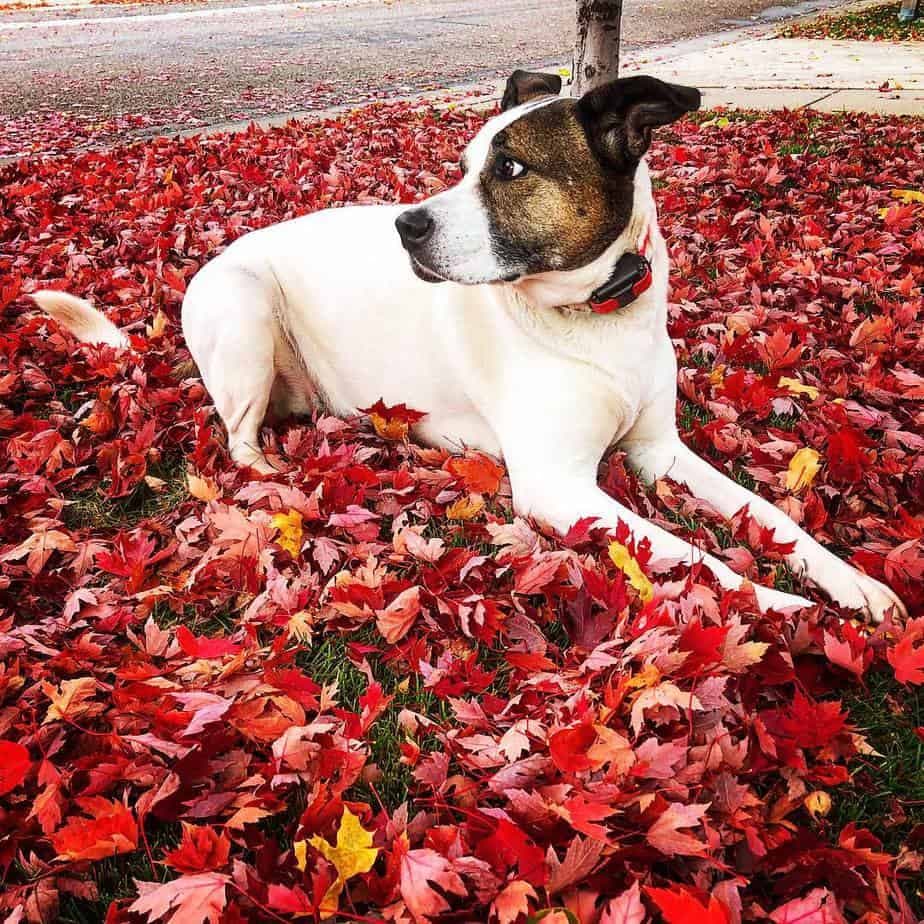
{"type": "Point", "coordinates": [581, 377]}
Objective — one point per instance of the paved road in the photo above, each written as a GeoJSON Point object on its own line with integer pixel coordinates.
{"type": "Point", "coordinates": [189, 64]}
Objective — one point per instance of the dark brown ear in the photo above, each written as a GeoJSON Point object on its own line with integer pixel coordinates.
{"type": "Point", "coordinates": [619, 116]}
{"type": "Point", "coordinates": [524, 85]}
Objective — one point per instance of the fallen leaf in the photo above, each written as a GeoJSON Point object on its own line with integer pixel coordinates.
{"type": "Point", "coordinates": [803, 467]}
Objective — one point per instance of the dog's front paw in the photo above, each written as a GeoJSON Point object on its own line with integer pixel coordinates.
{"type": "Point", "coordinates": [858, 591]}
{"type": "Point", "coordinates": [854, 590]}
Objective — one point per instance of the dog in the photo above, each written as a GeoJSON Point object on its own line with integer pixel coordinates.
{"type": "Point", "coordinates": [524, 310]}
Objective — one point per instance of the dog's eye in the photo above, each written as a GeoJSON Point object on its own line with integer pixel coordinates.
{"type": "Point", "coordinates": [506, 168]}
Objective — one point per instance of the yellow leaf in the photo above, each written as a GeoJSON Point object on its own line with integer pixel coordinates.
{"type": "Point", "coordinates": [818, 803]}
{"type": "Point", "coordinates": [907, 196]}
{"type": "Point", "coordinates": [622, 559]}
{"type": "Point", "coordinates": [351, 855]}
{"type": "Point", "coordinates": [71, 700]}
{"type": "Point", "coordinates": [649, 676]}
{"type": "Point", "coordinates": [795, 387]}
{"type": "Point", "coordinates": [465, 507]}
{"type": "Point", "coordinates": [803, 467]}
{"type": "Point", "coordinates": [299, 626]}
{"type": "Point", "coordinates": [203, 489]}
{"type": "Point", "coordinates": [290, 531]}
{"type": "Point", "coordinates": [564, 72]}
{"type": "Point", "coordinates": [158, 327]}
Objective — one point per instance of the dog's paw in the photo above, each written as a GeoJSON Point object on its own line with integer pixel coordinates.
{"type": "Point", "coordinates": [247, 456]}
{"type": "Point", "coordinates": [855, 590]}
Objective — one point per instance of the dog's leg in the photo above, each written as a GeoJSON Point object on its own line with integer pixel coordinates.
{"type": "Point", "coordinates": [559, 495]}
{"type": "Point", "coordinates": [229, 327]}
{"type": "Point", "coordinates": [842, 582]}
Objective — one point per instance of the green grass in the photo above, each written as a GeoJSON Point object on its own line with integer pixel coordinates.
{"type": "Point", "coordinates": [886, 793]}
{"type": "Point", "coordinates": [94, 508]}
{"type": "Point", "coordinates": [803, 145]}
{"type": "Point", "coordinates": [743, 477]}
{"type": "Point", "coordinates": [702, 360]}
{"type": "Point", "coordinates": [690, 413]}
{"type": "Point", "coordinates": [326, 662]}
{"type": "Point", "coordinates": [222, 620]}
{"type": "Point", "coordinates": [783, 421]}
{"type": "Point", "coordinates": [878, 23]}
{"type": "Point", "coordinates": [887, 713]}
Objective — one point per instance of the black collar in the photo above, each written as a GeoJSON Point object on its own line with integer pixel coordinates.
{"type": "Point", "coordinates": [631, 276]}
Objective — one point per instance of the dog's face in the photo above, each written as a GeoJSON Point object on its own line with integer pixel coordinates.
{"type": "Point", "coordinates": [548, 184]}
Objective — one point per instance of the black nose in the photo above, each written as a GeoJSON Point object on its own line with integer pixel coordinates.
{"type": "Point", "coordinates": [415, 226]}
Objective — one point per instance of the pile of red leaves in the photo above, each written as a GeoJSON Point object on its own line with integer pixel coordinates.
{"type": "Point", "coordinates": [519, 724]}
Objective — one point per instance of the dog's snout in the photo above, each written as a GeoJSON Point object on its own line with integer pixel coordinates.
{"type": "Point", "coordinates": [415, 226]}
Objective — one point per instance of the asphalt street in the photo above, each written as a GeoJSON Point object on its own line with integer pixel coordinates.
{"type": "Point", "coordinates": [197, 63]}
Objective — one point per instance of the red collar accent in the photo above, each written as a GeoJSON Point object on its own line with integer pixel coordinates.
{"type": "Point", "coordinates": [630, 277]}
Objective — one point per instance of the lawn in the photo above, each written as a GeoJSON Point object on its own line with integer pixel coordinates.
{"type": "Point", "coordinates": [363, 690]}
{"type": "Point", "coordinates": [877, 23]}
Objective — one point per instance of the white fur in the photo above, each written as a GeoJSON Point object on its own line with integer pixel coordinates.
{"type": "Point", "coordinates": [326, 308]}
{"type": "Point", "coordinates": [79, 317]}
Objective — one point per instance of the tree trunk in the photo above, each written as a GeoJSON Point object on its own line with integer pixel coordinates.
{"type": "Point", "coordinates": [596, 53]}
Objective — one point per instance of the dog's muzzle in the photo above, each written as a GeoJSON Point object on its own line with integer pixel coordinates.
{"type": "Point", "coordinates": [415, 227]}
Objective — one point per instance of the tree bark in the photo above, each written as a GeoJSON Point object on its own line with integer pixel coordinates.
{"type": "Point", "coordinates": [596, 52]}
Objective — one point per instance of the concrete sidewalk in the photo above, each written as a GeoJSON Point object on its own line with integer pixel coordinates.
{"type": "Point", "coordinates": [774, 73]}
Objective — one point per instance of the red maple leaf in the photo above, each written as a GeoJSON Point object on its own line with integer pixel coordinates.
{"type": "Point", "coordinates": [907, 656]}
{"type": "Point", "coordinates": [683, 905]}
{"type": "Point", "coordinates": [14, 766]}
{"type": "Point", "coordinates": [813, 724]}
{"type": "Point", "coordinates": [569, 747]}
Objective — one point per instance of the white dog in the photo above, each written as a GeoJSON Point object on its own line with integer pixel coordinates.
{"type": "Point", "coordinates": [545, 340]}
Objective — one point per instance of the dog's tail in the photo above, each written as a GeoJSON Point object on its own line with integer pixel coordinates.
{"type": "Point", "coordinates": [78, 316]}
{"type": "Point", "coordinates": [90, 325]}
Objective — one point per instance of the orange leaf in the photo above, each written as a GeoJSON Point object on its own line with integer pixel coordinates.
{"type": "Point", "coordinates": [110, 829]}
{"type": "Point", "coordinates": [392, 423]}
{"type": "Point", "coordinates": [479, 473]}
{"type": "Point", "coordinates": [201, 849]}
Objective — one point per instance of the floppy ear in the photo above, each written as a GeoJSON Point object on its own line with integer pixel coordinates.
{"type": "Point", "coordinates": [524, 85]}
{"type": "Point", "coordinates": [619, 116]}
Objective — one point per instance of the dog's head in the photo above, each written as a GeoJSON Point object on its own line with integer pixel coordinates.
{"type": "Point", "coordinates": [548, 184]}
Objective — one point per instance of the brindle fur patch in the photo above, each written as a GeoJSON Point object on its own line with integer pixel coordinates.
{"type": "Point", "coordinates": [567, 208]}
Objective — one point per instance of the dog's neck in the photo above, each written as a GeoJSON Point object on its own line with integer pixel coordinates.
{"type": "Point", "coordinates": [573, 288]}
